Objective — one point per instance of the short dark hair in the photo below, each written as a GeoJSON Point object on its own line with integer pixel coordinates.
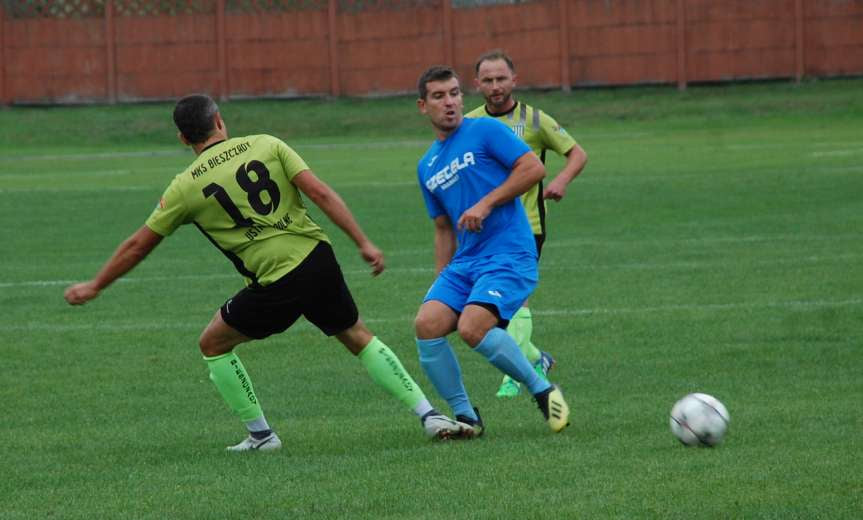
{"type": "Point", "coordinates": [436, 73]}
{"type": "Point", "coordinates": [495, 55]}
{"type": "Point", "coordinates": [193, 116]}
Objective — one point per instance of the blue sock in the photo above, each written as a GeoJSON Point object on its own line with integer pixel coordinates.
{"type": "Point", "coordinates": [441, 366]}
{"type": "Point", "coordinates": [502, 351]}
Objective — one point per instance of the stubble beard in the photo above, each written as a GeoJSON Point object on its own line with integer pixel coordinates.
{"type": "Point", "coordinates": [499, 107]}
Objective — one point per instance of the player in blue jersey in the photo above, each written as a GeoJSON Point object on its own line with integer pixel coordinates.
{"type": "Point", "coordinates": [486, 259]}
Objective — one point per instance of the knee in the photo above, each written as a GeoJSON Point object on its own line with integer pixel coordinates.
{"type": "Point", "coordinates": [356, 338]}
{"type": "Point", "coordinates": [471, 333]}
{"type": "Point", "coordinates": [210, 347]}
{"type": "Point", "coordinates": [424, 326]}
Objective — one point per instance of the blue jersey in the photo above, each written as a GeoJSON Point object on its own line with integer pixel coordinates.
{"type": "Point", "coordinates": [454, 174]}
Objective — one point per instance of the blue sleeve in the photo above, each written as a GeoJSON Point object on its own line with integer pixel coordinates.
{"type": "Point", "coordinates": [433, 207]}
{"type": "Point", "coordinates": [501, 142]}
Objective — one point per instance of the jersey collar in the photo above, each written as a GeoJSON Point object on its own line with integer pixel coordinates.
{"type": "Point", "coordinates": [212, 145]}
{"type": "Point", "coordinates": [499, 114]}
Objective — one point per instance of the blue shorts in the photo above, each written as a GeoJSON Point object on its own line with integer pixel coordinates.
{"type": "Point", "coordinates": [502, 281]}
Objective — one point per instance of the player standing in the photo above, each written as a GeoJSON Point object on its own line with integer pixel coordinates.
{"type": "Point", "coordinates": [495, 79]}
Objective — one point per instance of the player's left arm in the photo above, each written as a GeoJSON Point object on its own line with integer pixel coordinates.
{"type": "Point", "coordinates": [338, 212]}
{"type": "Point", "coordinates": [526, 171]}
{"type": "Point", "coordinates": [576, 159]}
{"type": "Point", "coordinates": [555, 137]}
{"type": "Point", "coordinates": [131, 252]}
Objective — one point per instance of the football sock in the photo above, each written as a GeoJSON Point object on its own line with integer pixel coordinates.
{"type": "Point", "coordinates": [387, 371]}
{"type": "Point", "coordinates": [500, 350]}
{"type": "Point", "coordinates": [520, 328]}
{"type": "Point", "coordinates": [258, 427]}
{"type": "Point", "coordinates": [229, 376]}
{"type": "Point", "coordinates": [441, 366]}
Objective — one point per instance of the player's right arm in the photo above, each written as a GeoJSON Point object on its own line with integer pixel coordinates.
{"type": "Point", "coordinates": [130, 253]}
{"type": "Point", "coordinates": [444, 242]}
{"type": "Point", "coordinates": [335, 208]}
{"type": "Point", "coordinates": [526, 171]}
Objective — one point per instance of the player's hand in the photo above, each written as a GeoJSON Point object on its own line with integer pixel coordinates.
{"type": "Point", "coordinates": [473, 217]}
{"type": "Point", "coordinates": [374, 257]}
{"type": "Point", "coordinates": [554, 191]}
{"type": "Point", "coordinates": [81, 293]}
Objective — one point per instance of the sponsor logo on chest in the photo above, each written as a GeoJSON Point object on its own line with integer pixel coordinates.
{"type": "Point", "coordinates": [518, 129]}
{"type": "Point", "coordinates": [448, 175]}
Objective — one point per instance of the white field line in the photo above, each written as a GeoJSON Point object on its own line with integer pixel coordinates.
{"type": "Point", "coordinates": [99, 189]}
{"type": "Point", "coordinates": [558, 266]}
{"type": "Point", "coordinates": [801, 304]}
{"type": "Point", "coordinates": [297, 145]}
{"type": "Point", "coordinates": [380, 144]}
{"type": "Point", "coordinates": [409, 173]}
{"type": "Point", "coordinates": [838, 153]}
{"type": "Point", "coordinates": [65, 174]}
{"type": "Point", "coordinates": [149, 279]}
{"type": "Point", "coordinates": [586, 242]}
{"type": "Point", "coordinates": [45, 174]}
{"type": "Point", "coordinates": [773, 144]}
{"type": "Point", "coordinates": [89, 156]}
{"type": "Point", "coordinates": [804, 305]}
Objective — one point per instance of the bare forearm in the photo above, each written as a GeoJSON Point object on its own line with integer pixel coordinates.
{"type": "Point", "coordinates": [337, 211]}
{"type": "Point", "coordinates": [576, 160]}
{"type": "Point", "coordinates": [526, 173]}
{"type": "Point", "coordinates": [444, 248]}
{"type": "Point", "coordinates": [124, 259]}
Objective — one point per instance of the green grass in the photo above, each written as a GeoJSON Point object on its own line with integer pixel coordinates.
{"type": "Point", "coordinates": [712, 244]}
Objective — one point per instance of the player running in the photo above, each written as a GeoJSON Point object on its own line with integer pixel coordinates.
{"type": "Point", "coordinates": [470, 179]}
{"type": "Point", "coordinates": [245, 195]}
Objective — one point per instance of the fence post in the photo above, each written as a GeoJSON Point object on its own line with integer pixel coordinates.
{"type": "Point", "coordinates": [799, 42]}
{"type": "Point", "coordinates": [681, 45]}
{"type": "Point", "coordinates": [4, 100]}
{"type": "Point", "coordinates": [222, 54]}
{"type": "Point", "coordinates": [448, 53]}
{"type": "Point", "coordinates": [565, 82]}
{"type": "Point", "coordinates": [332, 19]}
{"type": "Point", "coordinates": [110, 53]}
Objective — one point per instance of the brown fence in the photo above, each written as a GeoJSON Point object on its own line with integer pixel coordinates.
{"type": "Point", "coordinates": [70, 51]}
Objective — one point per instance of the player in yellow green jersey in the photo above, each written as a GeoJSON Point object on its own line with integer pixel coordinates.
{"type": "Point", "coordinates": [495, 79]}
{"type": "Point", "coordinates": [245, 195]}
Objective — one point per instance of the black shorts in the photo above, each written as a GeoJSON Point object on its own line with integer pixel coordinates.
{"type": "Point", "coordinates": [315, 289]}
{"type": "Point", "coordinates": [540, 240]}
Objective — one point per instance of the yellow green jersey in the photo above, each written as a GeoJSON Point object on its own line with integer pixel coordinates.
{"type": "Point", "coordinates": [541, 132]}
{"type": "Point", "coordinates": [239, 193]}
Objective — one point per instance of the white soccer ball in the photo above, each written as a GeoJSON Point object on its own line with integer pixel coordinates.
{"type": "Point", "coordinates": [699, 419]}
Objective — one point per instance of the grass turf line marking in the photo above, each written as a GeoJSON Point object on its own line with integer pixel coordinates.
{"type": "Point", "coordinates": [550, 266]}
{"type": "Point", "coordinates": [796, 304]}
{"type": "Point", "coordinates": [298, 145]}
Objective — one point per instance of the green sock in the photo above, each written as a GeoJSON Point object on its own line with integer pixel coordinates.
{"type": "Point", "coordinates": [229, 376]}
{"type": "Point", "coordinates": [520, 328]}
{"type": "Point", "coordinates": [387, 371]}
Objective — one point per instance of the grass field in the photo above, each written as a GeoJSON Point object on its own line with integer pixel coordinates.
{"type": "Point", "coordinates": [713, 244]}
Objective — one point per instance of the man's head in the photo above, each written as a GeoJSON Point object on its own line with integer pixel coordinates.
{"type": "Point", "coordinates": [441, 98]}
{"type": "Point", "coordinates": [197, 118]}
{"type": "Point", "coordinates": [495, 79]}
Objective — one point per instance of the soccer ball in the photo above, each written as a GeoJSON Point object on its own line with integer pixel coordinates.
{"type": "Point", "coordinates": [699, 419]}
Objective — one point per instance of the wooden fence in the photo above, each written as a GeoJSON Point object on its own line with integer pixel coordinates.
{"type": "Point", "coordinates": [74, 51]}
